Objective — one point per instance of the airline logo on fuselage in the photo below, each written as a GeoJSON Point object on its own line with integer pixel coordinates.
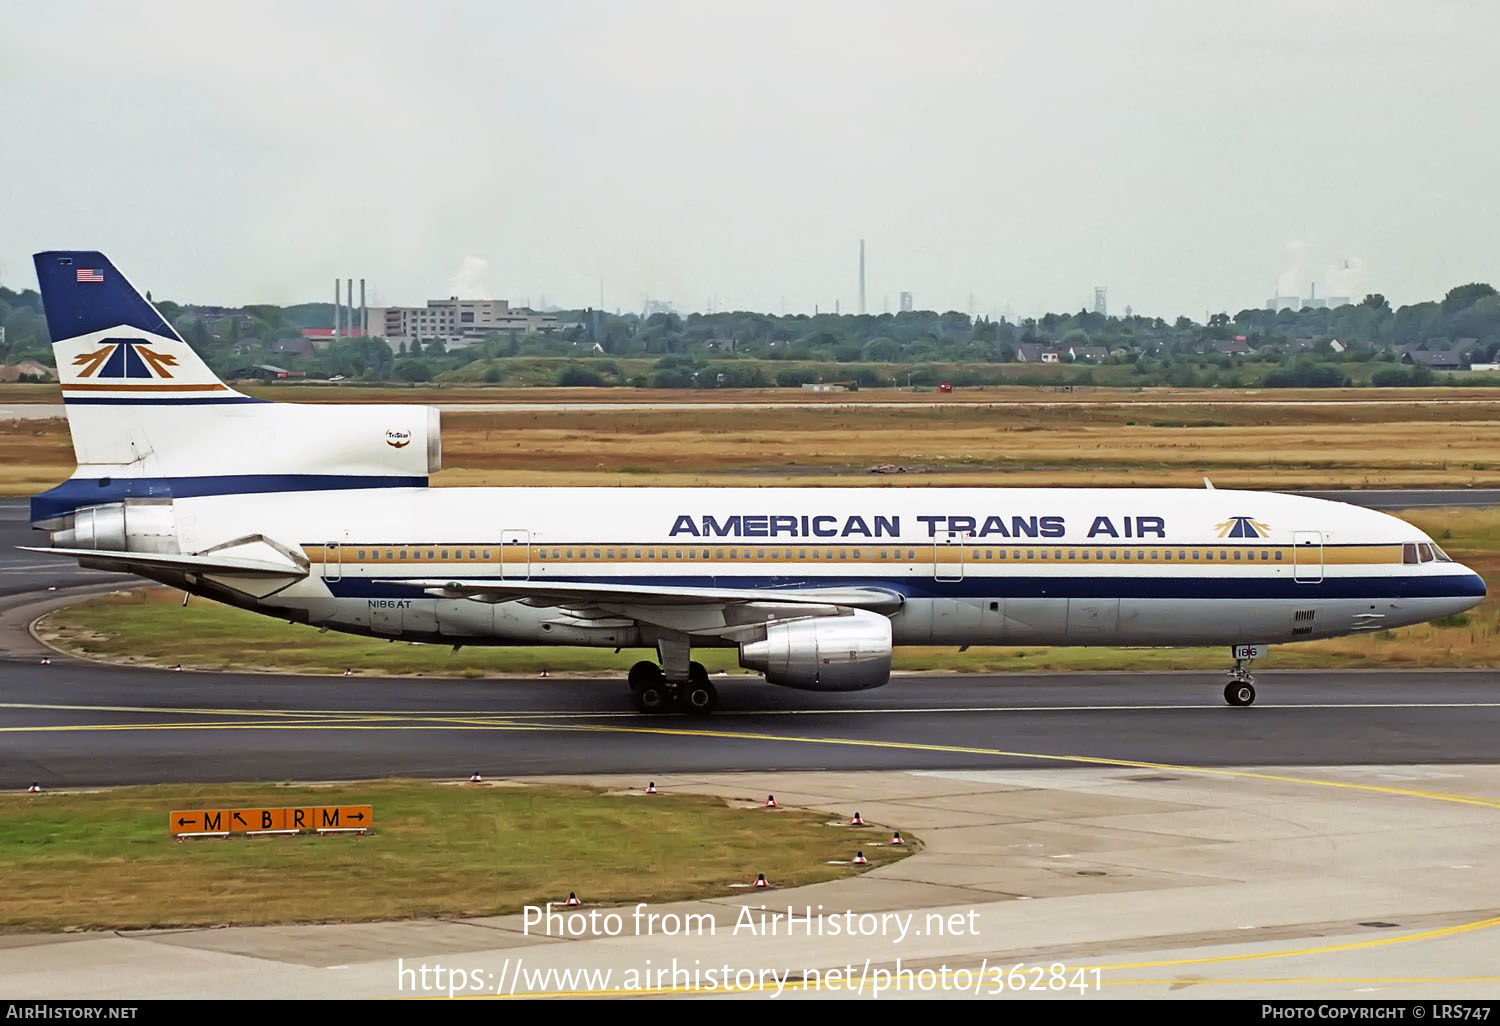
{"type": "Point", "coordinates": [397, 439]}
{"type": "Point", "coordinates": [1243, 527]}
{"type": "Point", "coordinates": [873, 526]}
{"type": "Point", "coordinates": [125, 358]}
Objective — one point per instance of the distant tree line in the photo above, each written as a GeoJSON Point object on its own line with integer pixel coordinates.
{"type": "Point", "coordinates": [1285, 348]}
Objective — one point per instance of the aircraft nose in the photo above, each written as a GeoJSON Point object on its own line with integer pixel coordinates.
{"type": "Point", "coordinates": [1472, 587]}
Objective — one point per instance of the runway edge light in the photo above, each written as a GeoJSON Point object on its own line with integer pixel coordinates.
{"type": "Point", "coordinates": [856, 821]}
{"type": "Point", "coordinates": [770, 802]}
{"type": "Point", "coordinates": [572, 899]}
{"type": "Point", "coordinates": [896, 838]}
{"type": "Point", "coordinates": [761, 881]}
{"type": "Point", "coordinates": [651, 787]}
{"type": "Point", "coordinates": [860, 860]}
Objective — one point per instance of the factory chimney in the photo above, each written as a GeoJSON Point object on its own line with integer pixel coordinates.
{"type": "Point", "coordinates": [861, 276]}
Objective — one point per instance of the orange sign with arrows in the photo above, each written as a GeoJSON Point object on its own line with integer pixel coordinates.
{"type": "Point", "coordinates": [300, 819]}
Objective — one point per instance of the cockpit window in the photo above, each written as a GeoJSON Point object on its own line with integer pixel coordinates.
{"type": "Point", "coordinates": [1442, 556]}
{"type": "Point", "coordinates": [1409, 553]}
{"type": "Point", "coordinates": [1425, 551]}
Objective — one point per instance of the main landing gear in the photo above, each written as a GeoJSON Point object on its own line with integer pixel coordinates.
{"type": "Point", "coordinates": [653, 693]}
{"type": "Point", "coordinates": [1241, 687]}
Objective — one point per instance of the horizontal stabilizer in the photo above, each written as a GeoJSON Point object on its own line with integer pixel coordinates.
{"type": "Point", "coordinates": [215, 564]}
{"type": "Point", "coordinates": [563, 592]}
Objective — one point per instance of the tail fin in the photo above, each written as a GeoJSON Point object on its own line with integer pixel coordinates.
{"type": "Point", "coordinates": [111, 344]}
{"type": "Point", "coordinates": [151, 422]}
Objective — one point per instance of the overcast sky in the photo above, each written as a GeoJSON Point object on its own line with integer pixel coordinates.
{"type": "Point", "coordinates": [1190, 156]}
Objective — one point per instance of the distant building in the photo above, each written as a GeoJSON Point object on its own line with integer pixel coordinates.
{"type": "Point", "coordinates": [1232, 346]}
{"type": "Point", "coordinates": [906, 302]}
{"type": "Point", "coordinates": [1035, 352]}
{"type": "Point", "coordinates": [459, 323]}
{"type": "Point", "coordinates": [266, 372]}
{"type": "Point", "coordinates": [1278, 303]}
{"type": "Point", "coordinates": [1446, 359]}
{"type": "Point", "coordinates": [821, 387]}
{"type": "Point", "coordinates": [27, 369]}
{"type": "Point", "coordinates": [322, 338]}
{"type": "Point", "coordinates": [294, 347]}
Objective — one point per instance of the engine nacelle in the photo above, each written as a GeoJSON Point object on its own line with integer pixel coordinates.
{"type": "Point", "coordinates": [824, 653]}
{"type": "Point", "coordinates": [136, 526]}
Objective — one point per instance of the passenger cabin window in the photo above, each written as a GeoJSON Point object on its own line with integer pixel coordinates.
{"type": "Point", "coordinates": [1409, 553]}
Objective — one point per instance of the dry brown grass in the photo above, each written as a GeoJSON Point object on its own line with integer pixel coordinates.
{"type": "Point", "coordinates": [1261, 445]}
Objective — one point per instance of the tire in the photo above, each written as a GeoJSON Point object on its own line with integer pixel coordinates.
{"type": "Point", "coordinates": [1239, 694]}
{"type": "Point", "coordinates": [700, 697]}
{"type": "Point", "coordinates": [651, 698]}
{"type": "Point", "coordinates": [643, 673]}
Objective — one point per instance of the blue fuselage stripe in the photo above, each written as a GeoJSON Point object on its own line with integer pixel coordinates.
{"type": "Point", "coordinates": [76, 493]}
{"type": "Point", "coordinates": [999, 586]}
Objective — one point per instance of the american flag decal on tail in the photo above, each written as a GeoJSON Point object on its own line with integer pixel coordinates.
{"type": "Point", "coordinates": [90, 275]}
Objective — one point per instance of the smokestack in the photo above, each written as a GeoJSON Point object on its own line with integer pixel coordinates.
{"type": "Point", "coordinates": [349, 316]}
{"type": "Point", "coordinates": [335, 309]}
{"type": "Point", "coordinates": [364, 311]}
{"type": "Point", "coordinates": [861, 276]}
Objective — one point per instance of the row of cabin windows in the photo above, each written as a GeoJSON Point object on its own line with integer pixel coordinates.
{"type": "Point", "coordinates": [885, 555]}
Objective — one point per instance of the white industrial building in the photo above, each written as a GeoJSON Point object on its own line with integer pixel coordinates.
{"type": "Point", "coordinates": [458, 322]}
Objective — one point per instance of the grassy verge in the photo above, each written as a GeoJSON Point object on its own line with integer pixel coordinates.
{"type": "Point", "coordinates": [104, 859]}
{"type": "Point", "coordinates": [130, 627]}
{"type": "Point", "coordinates": [1045, 442]}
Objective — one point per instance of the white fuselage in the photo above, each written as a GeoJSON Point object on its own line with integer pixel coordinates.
{"type": "Point", "coordinates": [963, 566]}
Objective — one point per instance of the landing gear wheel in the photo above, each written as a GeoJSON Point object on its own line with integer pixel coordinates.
{"type": "Point", "coordinates": [651, 698]}
{"type": "Point", "coordinates": [1239, 693]}
{"type": "Point", "coordinates": [643, 673]}
{"type": "Point", "coordinates": [699, 696]}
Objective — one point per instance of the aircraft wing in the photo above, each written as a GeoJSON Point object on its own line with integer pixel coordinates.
{"type": "Point", "coordinates": [575, 593]}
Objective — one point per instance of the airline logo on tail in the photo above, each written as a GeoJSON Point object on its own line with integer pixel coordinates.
{"type": "Point", "coordinates": [1243, 527]}
{"type": "Point", "coordinates": [125, 358]}
{"type": "Point", "coordinates": [112, 346]}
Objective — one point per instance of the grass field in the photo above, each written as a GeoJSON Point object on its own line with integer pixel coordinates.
{"type": "Point", "coordinates": [1255, 446]}
{"type": "Point", "coordinates": [104, 859]}
{"type": "Point", "coordinates": [129, 627]}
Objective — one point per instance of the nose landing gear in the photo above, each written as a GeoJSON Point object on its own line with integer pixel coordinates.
{"type": "Point", "coordinates": [1240, 690]}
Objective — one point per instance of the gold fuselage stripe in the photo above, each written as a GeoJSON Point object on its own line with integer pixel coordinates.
{"type": "Point", "coordinates": [925, 553]}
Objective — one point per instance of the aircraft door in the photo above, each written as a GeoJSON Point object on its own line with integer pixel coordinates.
{"type": "Point", "coordinates": [515, 555]}
{"type": "Point", "coordinates": [333, 561]}
{"type": "Point", "coordinates": [948, 556]}
{"type": "Point", "coordinates": [1307, 557]}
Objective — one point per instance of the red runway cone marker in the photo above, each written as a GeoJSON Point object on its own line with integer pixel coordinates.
{"type": "Point", "coordinates": [35, 787]}
{"type": "Point", "coordinates": [348, 671]}
{"type": "Point", "coordinates": [761, 881]}
{"type": "Point", "coordinates": [651, 787]}
{"type": "Point", "coordinates": [856, 821]}
{"type": "Point", "coordinates": [46, 661]}
{"type": "Point", "coordinates": [770, 802]}
{"type": "Point", "coordinates": [860, 860]}
{"type": "Point", "coordinates": [896, 838]}
{"type": "Point", "coordinates": [544, 673]}
{"type": "Point", "coordinates": [572, 899]}
{"type": "Point", "coordinates": [476, 778]}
